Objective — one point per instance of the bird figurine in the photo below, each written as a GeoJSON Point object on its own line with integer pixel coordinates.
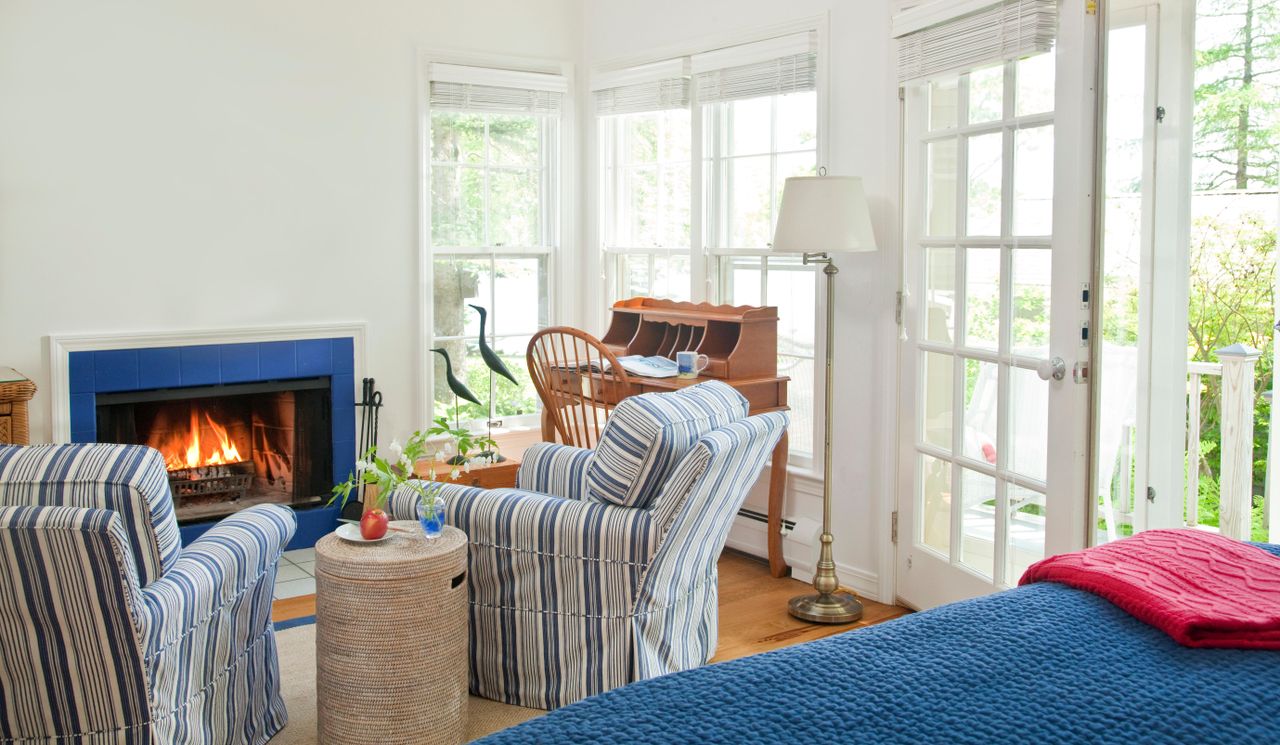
{"type": "Point", "coordinates": [491, 357]}
{"type": "Point", "coordinates": [459, 388]}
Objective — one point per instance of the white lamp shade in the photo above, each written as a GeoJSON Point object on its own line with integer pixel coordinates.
{"type": "Point", "coordinates": [823, 214]}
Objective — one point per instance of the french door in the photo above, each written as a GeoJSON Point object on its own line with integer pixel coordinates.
{"type": "Point", "coordinates": [994, 433]}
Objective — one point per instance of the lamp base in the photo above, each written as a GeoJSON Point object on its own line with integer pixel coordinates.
{"type": "Point", "coordinates": [835, 607]}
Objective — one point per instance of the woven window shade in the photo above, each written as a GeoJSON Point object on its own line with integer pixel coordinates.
{"type": "Point", "coordinates": [494, 99]}
{"type": "Point", "coordinates": [985, 34]}
{"type": "Point", "coordinates": [790, 74]}
{"type": "Point", "coordinates": [656, 95]}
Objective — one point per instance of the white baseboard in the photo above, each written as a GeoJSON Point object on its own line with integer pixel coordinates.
{"type": "Point", "coordinates": [750, 537]}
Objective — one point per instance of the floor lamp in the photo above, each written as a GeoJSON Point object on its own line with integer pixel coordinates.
{"type": "Point", "coordinates": [821, 216]}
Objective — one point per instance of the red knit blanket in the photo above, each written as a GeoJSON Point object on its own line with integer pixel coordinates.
{"type": "Point", "coordinates": [1199, 588]}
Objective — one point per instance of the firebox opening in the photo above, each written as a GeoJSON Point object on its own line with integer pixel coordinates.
{"type": "Point", "coordinates": [227, 447]}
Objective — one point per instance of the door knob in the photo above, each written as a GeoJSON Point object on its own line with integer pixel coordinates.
{"type": "Point", "coordinates": [1055, 368]}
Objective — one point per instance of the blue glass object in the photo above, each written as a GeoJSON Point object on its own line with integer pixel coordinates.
{"type": "Point", "coordinates": [431, 517]}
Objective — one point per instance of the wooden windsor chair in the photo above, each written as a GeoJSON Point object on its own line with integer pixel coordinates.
{"type": "Point", "coordinates": [579, 381]}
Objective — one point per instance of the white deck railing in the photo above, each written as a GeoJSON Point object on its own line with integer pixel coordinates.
{"type": "Point", "coordinates": [1235, 471]}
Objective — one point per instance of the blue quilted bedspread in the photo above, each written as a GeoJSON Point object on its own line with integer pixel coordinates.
{"type": "Point", "coordinates": [1038, 664]}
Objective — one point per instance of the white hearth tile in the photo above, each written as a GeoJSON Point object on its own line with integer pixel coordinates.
{"type": "Point", "coordinates": [287, 572]}
{"type": "Point", "coordinates": [309, 567]}
{"type": "Point", "coordinates": [300, 555]}
{"type": "Point", "coordinates": [295, 587]}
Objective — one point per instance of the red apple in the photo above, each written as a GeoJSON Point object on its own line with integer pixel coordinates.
{"type": "Point", "coordinates": [373, 525]}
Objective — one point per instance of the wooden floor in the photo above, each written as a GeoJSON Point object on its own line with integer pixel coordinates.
{"type": "Point", "coordinates": [753, 610]}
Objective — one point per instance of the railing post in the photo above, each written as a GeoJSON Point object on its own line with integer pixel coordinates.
{"type": "Point", "coordinates": [1193, 451]}
{"type": "Point", "coordinates": [1236, 470]}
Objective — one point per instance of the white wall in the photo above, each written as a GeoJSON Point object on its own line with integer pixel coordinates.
{"type": "Point", "coordinates": [862, 140]}
{"type": "Point", "coordinates": [174, 165]}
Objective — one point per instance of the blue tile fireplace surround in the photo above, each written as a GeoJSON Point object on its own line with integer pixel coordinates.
{"type": "Point", "coordinates": [127, 370]}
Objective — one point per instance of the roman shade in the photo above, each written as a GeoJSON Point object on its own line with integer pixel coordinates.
{"type": "Point", "coordinates": [787, 64]}
{"type": "Point", "coordinates": [489, 90]}
{"type": "Point", "coordinates": [945, 36]}
{"type": "Point", "coordinates": [653, 87]}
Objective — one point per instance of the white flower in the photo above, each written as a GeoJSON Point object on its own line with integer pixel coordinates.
{"type": "Point", "coordinates": [362, 465]}
{"type": "Point", "coordinates": [439, 456]}
{"type": "Point", "coordinates": [394, 452]}
{"type": "Point", "coordinates": [431, 475]}
{"type": "Point", "coordinates": [455, 473]}
{"type": "Point", "coordinates": [466, 467]}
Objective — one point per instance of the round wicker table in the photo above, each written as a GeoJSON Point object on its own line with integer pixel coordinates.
{"type": "Point", "coordinates": [391, 638]}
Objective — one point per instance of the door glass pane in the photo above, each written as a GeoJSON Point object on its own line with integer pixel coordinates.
{"type": "Point", "coordinates": [1033, 181]}
{"type": "Point", "coordinates": [1028, 422]}
{"type": "Point", "coordinates": [986, 94]}
{"type": "Point", "coordinates": [977, 531]}
{"type": "Point", "coordinates": [1035, 76]}
{"type": "Point", "coordinates": [1124, 175]}
{"type": "Point", "coordinates": [934, 506]}
{"type": "Point", "coordinates": [938, 385]}
{"type": "Point", "coordinates": [1032, 274]}
{"type": "Point", "coordinates": [1026, 531]}
{"type": "Point", "coordinates": [984, 182]}
{"type": "Point", "coordinates": [981, 410]}
{"type": "Point", "coordinates": [982, 298]}
{"type": "Point", "coordinates": [940, 295]}
{"type": "Point", "coordinates": [942, 188]}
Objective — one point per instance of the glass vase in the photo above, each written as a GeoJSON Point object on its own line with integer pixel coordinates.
{"type": "Point", "coordinates": [431, 517]}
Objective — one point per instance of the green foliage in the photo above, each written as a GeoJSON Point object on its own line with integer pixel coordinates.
{"type": "Point", "coordinates": [1231, 300]}
{"type": "Point", "coordinates": [464, 440]}
{"type": "Point", "coordinates": [1237, 94]}
{"type": "Point", "coordinates": [388, 469]}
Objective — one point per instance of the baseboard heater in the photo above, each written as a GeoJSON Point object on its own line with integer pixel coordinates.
{"type": "Point", "coordinates": [760, 517]}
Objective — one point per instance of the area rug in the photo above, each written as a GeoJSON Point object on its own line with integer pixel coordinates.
{"type": "Point", "coordinates": [297, 645]}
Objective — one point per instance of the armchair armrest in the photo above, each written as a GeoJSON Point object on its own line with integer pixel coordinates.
{"type": "Point", "coordinates": [223, 579]}
{"type": "Point", "coordinates": [558, 470]}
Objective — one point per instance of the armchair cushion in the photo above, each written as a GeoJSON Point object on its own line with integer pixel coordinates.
{"type": "Point", "coordinates": [129, 480]}
{"type": "Point", "coordinates": [558, 470]}
{"type": "Point", "coordinates": [647, 435]}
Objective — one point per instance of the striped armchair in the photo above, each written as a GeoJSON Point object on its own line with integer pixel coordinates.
{"type": "Point", "coordinates": [110, 630]}
{"type": "Point", "coordinates": [600, 568]}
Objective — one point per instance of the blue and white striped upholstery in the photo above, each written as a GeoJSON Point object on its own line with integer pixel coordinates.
{"type": "Point", "coordinates": [91, 653]}
{"type": "Point", "coordinates": [558, 470]}
{"type": "Point", "coordinates": [648, 434]}
{"type": "Point", "coordinates": [125, 479]}
{"type": "Point", "coordinates": [570, 598]}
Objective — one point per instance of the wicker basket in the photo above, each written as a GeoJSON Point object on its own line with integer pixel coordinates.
{"type": "Point", "coordinates": [15, 422]}
{"type": "Point", "coordinates": [391, 638]}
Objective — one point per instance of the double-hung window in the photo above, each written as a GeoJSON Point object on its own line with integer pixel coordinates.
{"type": "Point", "coordinates": [645, 135]}
{"type": "Point", "coordinates": [493, 180]}
{"type": "Point", "coordinates": [759, 115]}
{"type": "Point", "coordinates": [693, 156]}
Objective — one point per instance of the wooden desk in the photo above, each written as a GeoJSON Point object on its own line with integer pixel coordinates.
{"type": "Point", "coordinates": [763, 394]}
{"type": "Point", "coordinates": [493, 476]}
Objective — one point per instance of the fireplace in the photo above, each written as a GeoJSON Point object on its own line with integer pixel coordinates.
{"type": "Point", "coordinates": [227, 447]}
{"type": "Point", "coordinates": [240, 422]}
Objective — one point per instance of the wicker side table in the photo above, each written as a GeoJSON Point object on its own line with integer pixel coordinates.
{"type": "Point", "coordinates": [15, 393]}
{"type": "Point", "coordinates": [391, 638]}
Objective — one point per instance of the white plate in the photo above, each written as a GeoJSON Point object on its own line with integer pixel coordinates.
{"type": "Point", "coordinates": [351, 532]}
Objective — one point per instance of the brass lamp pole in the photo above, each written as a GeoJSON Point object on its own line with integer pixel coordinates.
{"type": "Point", "coordinates": [828, 212]}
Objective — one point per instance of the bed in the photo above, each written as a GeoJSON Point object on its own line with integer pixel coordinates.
{"type": "Point", "coordinates": [1043, 663]}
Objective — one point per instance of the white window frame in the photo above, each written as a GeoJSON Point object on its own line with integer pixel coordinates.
{"type": "Point", "coordinates": [557, 186]}
{"type": "Point", "coordinates": [705, 263]}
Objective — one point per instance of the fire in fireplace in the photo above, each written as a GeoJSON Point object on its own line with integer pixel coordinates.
{"type": "Point", "coordinates": [230, 446]}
